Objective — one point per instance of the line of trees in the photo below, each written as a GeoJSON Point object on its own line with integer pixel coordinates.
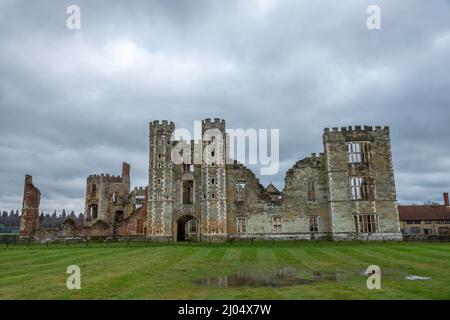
{"type": "Point", "coordinates": [10, 222]}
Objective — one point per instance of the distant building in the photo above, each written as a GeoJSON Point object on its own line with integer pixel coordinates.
{"type": "Point", "coordinates": [425, 219]}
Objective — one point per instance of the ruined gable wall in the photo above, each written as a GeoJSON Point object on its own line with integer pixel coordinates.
{"type": "Point", "coordinates": [295, 202]}
{"type": "Point", "coordinates": [128, 227]}
{"type": "Point", "coordinates": [105, 187]}
{"type": "Point", "coordinates": [29, 221]}
{"type": "Point", "coordinates": [257, 207]}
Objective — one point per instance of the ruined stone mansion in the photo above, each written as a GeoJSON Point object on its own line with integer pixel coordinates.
{"type": "Point", "coordinates": [346, 192]}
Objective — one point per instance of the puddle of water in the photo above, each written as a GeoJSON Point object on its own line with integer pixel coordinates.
{"type": "Point", "coordinates": [280, 277]}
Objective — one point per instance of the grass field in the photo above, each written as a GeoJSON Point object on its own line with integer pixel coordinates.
{"type": "Point", "coordinates": [165, 271]}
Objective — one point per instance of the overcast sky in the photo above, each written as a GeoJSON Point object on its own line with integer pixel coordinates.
{"type": "Point", "coordinates": [76, 102]}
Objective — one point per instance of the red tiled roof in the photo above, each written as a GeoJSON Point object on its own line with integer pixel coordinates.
{"type": "Point", "coordinates": [436, 212]}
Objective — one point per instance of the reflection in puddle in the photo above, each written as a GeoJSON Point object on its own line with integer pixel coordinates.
{"type": "Point", "coordinates": [280, 277]}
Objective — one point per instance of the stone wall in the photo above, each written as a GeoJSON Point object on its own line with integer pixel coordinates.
{"type": "Point", "coordinates": [227, 200]}
{"type": "Point", "coordinates": [339, 171]}
{"type": "Point", "coordinates": [110, 195]}
{"type": "Point", "coordinates": [29, 221]}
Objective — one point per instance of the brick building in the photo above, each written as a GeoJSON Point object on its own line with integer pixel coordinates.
{"type": "Point", "coordinates": [425, 219]}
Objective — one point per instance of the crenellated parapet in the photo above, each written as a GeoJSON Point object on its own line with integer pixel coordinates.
{"type": "Point", "coordinates": [350, 129]}
{"type": "Point", "coordinates": [163, 127]}
{"type": "Point", "coordinates": [215, 123]}
{"type": "Point", "coordinates": [138, 191]}
{"type": "Point", "coordinates": [354, 133]}
{"type": "Point", "coordinates": [104, 178]}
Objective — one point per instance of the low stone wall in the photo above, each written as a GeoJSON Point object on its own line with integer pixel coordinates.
{"type": "Point", "coordinates": [352, 236]}
{"type": "Point", "coordinates": [426, 238]}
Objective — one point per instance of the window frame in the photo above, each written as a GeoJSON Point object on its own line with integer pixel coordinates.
{"type": "Point", "coordinates": [313, 223]}
{"type": "Point", "coordinates": [241, 225]}
{"type": "Point", "coordinates": [277, 225]}
{"type": "Point", "coordinates": [359, 152]}
{"type": "Point", "coordinates": [362, 188]}
{"type": "Point", "coordinates": [366, 223]}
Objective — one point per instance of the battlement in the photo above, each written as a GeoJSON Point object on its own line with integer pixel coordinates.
{"type": "Point", "coordinates": [215, 120]}
{"type": "Point", "coordinates": [162, 123]}
{"type": "Point", "coordinates": [163, 127]}
{"type": "Point", "coordinates": [356, 129]}
{"type": "Point", "coordinates": [139, 189]}
{"type": "Point", "coordinates": [105, 178]}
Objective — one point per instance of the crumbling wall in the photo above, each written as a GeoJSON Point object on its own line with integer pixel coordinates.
{"type": "Point", "coordinates": [257, 208]}
{"type": "Point", "coordinates": [29, 221]}
{"type": "Point", "coordinates": [301, 204]}
{"type": "Point", "coordinates": [109, 194]}
{"type": "Point", "coordinates": [135, 224]}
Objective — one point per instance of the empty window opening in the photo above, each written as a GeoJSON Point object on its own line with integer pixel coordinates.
{"type": "Point", "coordinates": [358, 152]}
{"type": "Point", "coordinates": [140, 226]}
{"type": "Point", "coordinates": [93, 211]}
{"type": "Point", "coordinates": [311, 184]}
{"type": "Point", "coordinates": [188, 192]}
{"type": "Point", "coordinates": [240, 191]}
{"type": "Point", "coordinates": [362, 188]}
{"type": "Point", "coordinates": [118, 217]}
{"type": "Point", "coordinates": [313, 224]}
{"type": "Point", "coordinates": [241, 225]}
{"type": "Point", "coordinates": [276, 225]}
{"type": "Point", "coordinates": [115, 197]}
{"type": "Point", "coordinates": [366, 223]}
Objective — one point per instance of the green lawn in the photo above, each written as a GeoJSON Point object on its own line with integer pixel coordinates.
{"type": "Point", "coordinates": [163, 271]}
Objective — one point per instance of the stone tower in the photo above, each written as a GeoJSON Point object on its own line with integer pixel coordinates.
{"type": "Point", "coordinates": [106, 197]}
{"type": "Point", "coordinates": [361, 186]}
{"type": "Point", "coordinates": [160, 202]}
{"type": "Point", "coordinates": [29, 221]}
{"type": "Point", "coordinates": [213, 179]}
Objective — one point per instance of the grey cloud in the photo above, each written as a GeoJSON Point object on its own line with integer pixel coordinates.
{"type": "Point", "coordinates": [75, 103]}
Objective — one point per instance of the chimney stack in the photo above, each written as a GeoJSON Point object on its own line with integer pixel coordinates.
{"type": "Point", "coordinates": [125, 169]}
{"type": "Point", "coordinates": [446, 203]}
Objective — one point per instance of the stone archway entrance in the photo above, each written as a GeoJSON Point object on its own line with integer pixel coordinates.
{"type": "Point", "coordinates": [187, 228]}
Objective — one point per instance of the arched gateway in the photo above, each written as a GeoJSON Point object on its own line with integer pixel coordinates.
{"type": "Point", "coordinates": [187, 228]}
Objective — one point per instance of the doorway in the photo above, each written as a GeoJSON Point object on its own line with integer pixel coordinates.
{"type": "Point", "coordinates": [187, 228]}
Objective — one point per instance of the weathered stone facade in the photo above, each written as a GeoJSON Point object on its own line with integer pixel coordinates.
{"type": "Point", "coordinates": [346, 192]}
